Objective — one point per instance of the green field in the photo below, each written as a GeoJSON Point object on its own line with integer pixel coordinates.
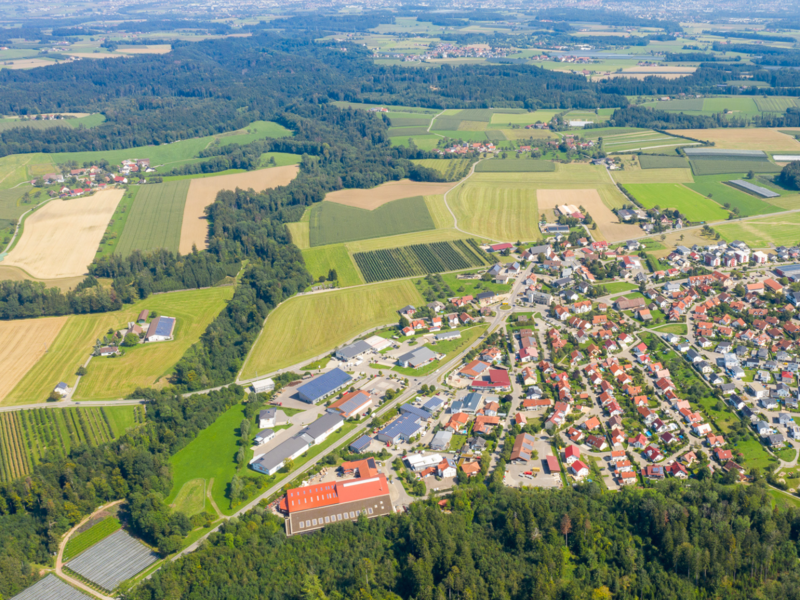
{"type": "Point", "coordinates": [451, 169]}
{"type": "Point", "coordinates": [676, 328]}
{"type": "Point", "coordinates": [306, 326]}
{"type": "Point", "coordinates": [614, 133]}
{"type": "Point", "coordinates": [500, 211]}
{"type": "Point", "coordinates": [775, 103]}
{"type": "Point", "coordinates": [108, 244]}
{"type": "Point", "coordinates": [527, 118]}
{"type": "Point", "coordinates": [191, 498]}
{"type": "Point", "coordinates": [719, 165]}
{"type": "Point", "coordinates": [27, 435]}
{"type": "Point", "coordinates": [637, 142]}
{"type": "Point", "coordinates": [16, 169]}
{"type": "Point", "coordinates": [281, 159]}
{"type": "Point", "coordinates": [257, 130]}
{"type": "Point", "coordinates": [145, 364]}
{"type": "Point", "coordinates": [423, 142]}
{"type": "Point", "coordinates": [651, 161]}
{"type": "Point", "coordinates": [408, 131]}
{"type": "Point", "coordinates": [320, 260]}
{"type": "Point", "coordinates": [452, 119]}
{"type": "Point", "coordinates": [332, 223]}
{"type": "Point", "coordinates": [155, 218]}
{"type": "Point", "coordinates": [783, 230]}
{"type": "Point", "coordinates": [89, 121]}
{"type": "Point", "coordinates": [676, 196]}
{"type": "Point", "coordinates": [86, 539]}
{"type": "Point", "coordinates": [404, 119]}
{"type": "Point", "coordinates": [712, 186]}
{"type": "Point", "coordinates": [462, 135]}
{"type": "Point", "coordinates": [515, 165]}
{"type": "Point", "coordinates": [619, 286]}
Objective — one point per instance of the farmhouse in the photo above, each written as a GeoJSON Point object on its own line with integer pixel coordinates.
{"type": "Point", "coordinates": [160, 329]}
{"type": "Point", "coordinates": [324, 385]}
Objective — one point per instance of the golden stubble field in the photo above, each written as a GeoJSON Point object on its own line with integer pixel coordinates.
{"type": "Point", "coordinates": [203, 192]}
{"type": "Point", "coordinates": [607, 221]}
{"type": "Point", "coordinates": [61, 238]}
{"type": "Point", "coordinates": [739, 138]}
{"type": "Point", "coordinates": [22, 344]}
{"type": "Point", "coordinates": [387, 192]}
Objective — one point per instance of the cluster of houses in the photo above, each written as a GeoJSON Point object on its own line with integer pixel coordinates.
{"type": "Point", "coordinates": [85, 180]}
{"type": "Point", "coordinates": [159, 329]}
{"type": "Point", "coordinates": [450, 50]}
{"type": "Point", "coordinates": [469, 147]}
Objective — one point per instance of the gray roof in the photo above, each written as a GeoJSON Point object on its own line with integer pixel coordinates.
{"type": "Point", "coordinates": [321, 386]}
{"type": "Point", "coordinates": [418, 356]}
{"type": "Point", "coordinates": [433, 404]}
{"type": "Point", "coordinates": [413, 410]}
{"type": "Point", "coordinates": [363, 442]}
{"type": "Point", "coordinates": [265, 433]}
{"type": "Point", "coordinates": [722, 152]}
{"type": "Point", "coordinates": [471, 402]}
{"type": "Point", "coordinates": [50, 588]}
{"type": "Point", "coordinates": [442, 439]}
{"type": "Point", "coordinates": [447, 335]}
{"type": "Point", "coordinates": [322, 425]}
{"type": "Point", "coordinates": [113, 560]}
{"type": "Point", "coordinates": [538, 249]}
{"type": "Point", "coordinates": [276, 456]}
{"type": "Point", "coordinates": [351, 351]}
{"type": "Point", "coordinates": [407, 426]}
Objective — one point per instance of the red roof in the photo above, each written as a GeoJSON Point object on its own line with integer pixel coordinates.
{"type": "Point", "coordinates": [340, 492]}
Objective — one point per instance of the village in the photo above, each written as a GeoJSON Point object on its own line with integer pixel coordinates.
{"type": "Point", "coordinates": [80, 181]}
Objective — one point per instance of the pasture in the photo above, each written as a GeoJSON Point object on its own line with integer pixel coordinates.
{"type": "Point", "coordinates": [719, 165]}
{"type": "Point", "coordinates": [451, 169]}
{"type": "Point", "coordinates": [736, 138]}
{"type": "Point", "coordinates": [191, 498]}
{"type": "Point", "coordinates": [305, 326]}
{"type": "Point", "coordinates": [62, 237]}
{"type": "Point", "coordinates": [652, 161]}
{"type": "Point", "coordinates": [320, 260]}
{"type": "Point", "coordinates": [783, 230]}
{"type": "Point", "coordinates": [145, 365]}
{"type": "Point", "coordinates": [333, 223]}
{"type": "Point", "coordinates": [713, 186]}
{"type": "Point", "coordinates": [630, 174]}
{"type": "Point", "coordinates": [497, 211]}
{"type": "Point", "coordinates": [372, 198]}
{"type": "Point", "coordinates": [19, 168]}
{"type": "Point", "coordinates": [299, 230]}
{"type": "Point", "coordinates": [203, 192]}
{"type": "Point", "coordinates": [677, 197]}
{"type": "Point", "coordinates": [27, 435]}
{"type": "Point", "coordinates": [608, 224]}
{"type": "Point", "coordinates": [515, 165]}
{"type": "Point", "coordinates": [424, 142]}
{"type": "Point", "coordinates": [22, 344]}
{"type": "Point", "coordinates": [257, 130]}
{"type": "Point", "coordinates": [155, 218]}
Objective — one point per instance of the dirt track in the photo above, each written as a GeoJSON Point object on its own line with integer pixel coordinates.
{"type": "Point", "coordinates": [387, 192]}
{"type": "Point", "coordinates": [607, 222]}
{"type": "Point", "coordinates": [203, 192]}
{"type": "Point", "coordinates": [61, 238]}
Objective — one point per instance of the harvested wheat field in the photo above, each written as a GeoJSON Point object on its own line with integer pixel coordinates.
{"type": "Point", "coordinates": [607, 223]}
{"type": "Point", "coordinates": [203, 192]}
{"type": "Point", "coordinates": [61, 238]}
{"type": "Point", "coordinates": [739, 138]}
{"type": "Point", "coordinates": [151, 49]}
{"type": "Point", "coordinates": [22, 343]}
{"type": "Point", "coordinates": [17, 274]}
{"type": "Point", "coordinates": [386, 192]}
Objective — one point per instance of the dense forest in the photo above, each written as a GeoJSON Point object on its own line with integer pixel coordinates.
{"type": "Point", "coordinates": [677, 541]}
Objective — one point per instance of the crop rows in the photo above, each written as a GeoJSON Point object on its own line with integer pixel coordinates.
{"type": "Point", "coordinates": [420, 259]}
{"type": "Point", "coordinates": [26, 436]}
{"type": "Point", "coordinates": [655, 161]}
{"type": "Point", "coordinates": [719, 165]}
{"type": "Point", "coordinates": [88, 538]}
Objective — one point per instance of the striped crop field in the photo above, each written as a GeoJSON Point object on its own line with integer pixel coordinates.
{"type": "Point", "coordinates": [155, 218]}
{"type": "Point", "coordinates": [89, 537]}
{"type": "Point", "coordinates": [451, 169]}
{"type": "Point", "coordinates": [26, 436]}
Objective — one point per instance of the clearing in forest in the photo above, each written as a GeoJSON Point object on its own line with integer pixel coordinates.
{"type": "Point", "coordinates": [61, 238]}
{"type": "Point", "coordinates": [22, 343]}
{"type": "Point", "coordinates": [203, 192]}
{"type": "Point", "coordinates": [305, 326]}
{"type": "Point", "coordinates": [386, 192]}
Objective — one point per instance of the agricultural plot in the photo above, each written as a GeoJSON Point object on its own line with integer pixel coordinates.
{"type": "Point", "coordinates": [406, 239]}
{"type": "Point", "coordinates": [85, 539]}
{"type": "Point", "coordinates": [692, 104]}
{"type": "Point", "coordinates": [403, 119]}
{"type": "Point", "coordinates": [764, 233]}
{"type": "Point", "coordinates": [407, 131]}
{"type": "Point", "coordinates": [203, 192]}
{"type": "Point", "coordinates": [155, 218]}
{"type": "Point", "coordinates": [677, 197]}
{"type": "Point", "coordinates": [452, 120]}
{"type": "Point", "coordinates": [633, 175]}
{"type": "Point", "coordinates": [22, 343]}
{"type": "Point", "coordinates": [373, 198]}
{"type": "Point", "coordinates": [515, 165]}
{"type": "Point", "coordinates": [499, 211]}
{"type": "Point", "coordinates": [451, 169]}
{"type": "Point", "coordinates": [257, 130]}
{"type": "Point", "coordinates": [278, 159]}
{"type": "Point", "coordinates": [26, 436]}
{"type": "Point", "coordinates": [439, 213]}
{"type": "Point", "coordinates": [51, 588]}
{"type": "Point", "coordinates": [651, 161]}
{"type": "Point", "coordinates": [62, 237]}
{"type": "Point", "coordinates": [306, 326]}
{"type": "Point", "coordinates": [299, 230]}
{"type": "Point", "coordinates": [381, 265]}
{"type": "Point", "coordinates": [12, 204]}
{"type": "Point", "coordinates": [424, 142]}
{"type": "Point", "coordinates": [19, 168]}
{"type": "Point", "coordinates": [614, 133]}
{"type": "Point", "coordinates": [738, 138]}
{"type": "Point", "coordinates": [712, 186]}
{"type": "Point", "coordinates": [320, 261]}
{"type": "Point", "coordinates": [145, 364]}
{"type": "Point", "coordinates": [609, 226]}
{"type": "Point", "coordinates": [718, 165]}
{"type": "Point", "coordinates": [736, 106]}
{"type": "Point", "coordinates": [333, 223]}
{"type": "Point", "coordinates": [113, 560]}
{"type": "Point", "coordinates": [526, 118]}
{"type": "Point", "coordinates": [775, 103]}
{"type": "Point", "coordinates": [653, 140]}
{"type": "Point", "coordinates": [462, 135]}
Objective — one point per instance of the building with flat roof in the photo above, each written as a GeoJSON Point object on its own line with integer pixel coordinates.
{"type": "Point", "coordinates": [441, 441]}
{"type": "Point", "coordinates": [377, 343]}
{"type": "Point", "coordinates": [271, 462]}
{"type": "Point", "coordinates": [401, 429]}
{"type": "Point", "coordinates": [352, 404]}
{"type": "Point", "coordinates": [323, 385]}
{"type": "Point", "coordinates": [263, 385]}
{"type": "Point", "coordinates": [362, 444]}
{"type": "Point", "coordinates": [322, 427]}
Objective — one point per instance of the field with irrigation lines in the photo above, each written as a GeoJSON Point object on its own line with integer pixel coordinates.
{"type": "Point", "coordinates": [27, 435]}
{"type": "Point", "coordinates": [155, 218]}
{"type": "Point", "coordinates": [451, 169]}
{"type": "Point", "coordinates": [677, 197]}
{"type": "Point", "coordinates": [333, 223]}
{"type": "Point", "coordinates": [86, 539]}
{"type": "Point", "coordinates": [718, 165]}
{"type": "Point", "coordinates": [515, 165]}
{"type": "Point", "coordinates": [407, 261]}
{"type": "Point", "coordinates": [654, 161]}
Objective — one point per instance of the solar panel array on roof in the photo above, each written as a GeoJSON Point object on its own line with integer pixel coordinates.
{"type": "Point", "coordinates": [361, 443]}
{"type": "Point", "coordinates": [325, 384]}
{"type": "Point", "coordinates": [50, 588]}
{"type": "Point", "coordinates": [113, 560]}
{"type": "Point", "coordinates": [165, 325]}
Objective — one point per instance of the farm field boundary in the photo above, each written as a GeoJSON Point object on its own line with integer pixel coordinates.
{"type": "Point", "coordinates": [675, 196]}
{"type": "Point", "coordinates": [322, 259]}
{"type": "Point", "coordinates": [373, 198]}
{"type": "Point", "coordinates": [515, 165]}
{"type": "Point", "coordinates": [155, 218]}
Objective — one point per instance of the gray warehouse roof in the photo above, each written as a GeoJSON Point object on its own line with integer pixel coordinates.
{"type": "Point", "coordinates": [322, 425]}
{"type": "Point", "coordinates": [755, 189]}
{"type": "Point", "coordinates": [276, 456]}
{"type": "Point", "coordinates": [323, 385]}
{"type": "Point", "coordinates": [417, 412]}
{"type": "Point", "coordinates": [407, 425]}
{"type": "Point", "coordinates": [353, 350]}
{"type": "Point", "coordinates": [361, 443]}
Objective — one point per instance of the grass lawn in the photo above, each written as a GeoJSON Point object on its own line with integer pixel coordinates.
{"type": "Point", "coordinates": [618, 286]}
{"type": "Point", "coordinates": [676, 196]}
{"type": "Point", "coordinates": [121, 418]}
{"type": "Point", "coordinates": [786, 454]}
{"type": "Point", "coordinates": [155, 218]}
{"type": "Point", "coordinates": [317, 364]}
{"type": "Point", "coordinates": [467, 287]}
{"type": "Point", "coordinates": [450, 349]}
{"type": "Point", "coordinates": [332, 222]}
{"type": "Point", "coordinates": [783, 230]}
{"type": "Point", "coordinates": [754, 455]}
{"type": "Point", "coordinates": [457, 442]}
{"type": "Point", "coordinates": [86, 539]}
{"type": "Point", "coordinates": [306, 326]}
{"type": "Point", "coordinates": [320, 260]}
{"type": "Point", "coordinates": [117, 225]}
{"type": "Point", "coordinates": [676, 328]}
{"type": "Point", "coordinates": [784, 499]}
{"type": "Point", "coordinates": [144, 364]}
{"type": "Point", "coordinates": [712, 186]}
{"type": "Point", "coordinates": [191, 498]}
